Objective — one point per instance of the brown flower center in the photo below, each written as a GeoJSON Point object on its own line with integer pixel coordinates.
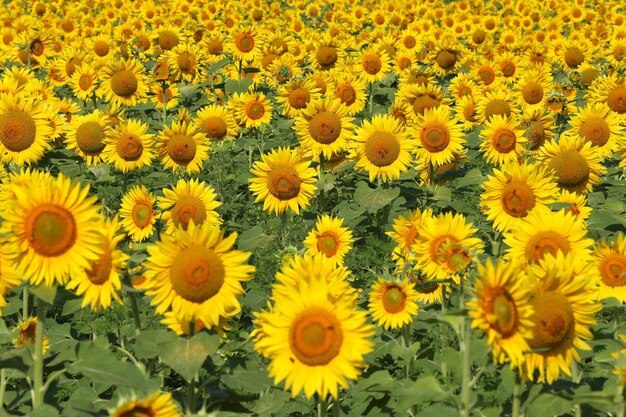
{"type": "Point", "coordinates": [372, 64]}
{"type": "Point", "coordinates": [536, 134]}
{"type": "Point", "coordinates": [50, 230]}
{"type": "Point", "coordinates": [423, 102]}
{"type": "Point", "coordinates": [129, 147]}
{"type": "Point", "coordinates": [89, 138]}
{"type": "Point", "coordinates": [346, 93]}
{"type": "Point", "coordinates": [124, 83]}
{"type": "Point", "coordinates": [255, 110]}
{"type": "Point", "coordinates": [446, 59]}
{"type": "Point", "coordinates": [187, 63]}
{"type": "Point", "coordinates": [532, 92]}
{"type": "Point", "coordinates": [382, 149]}
{"type": "Point", "coordinates": [315, 336]}
{"type": "Point", "coordinates": [572, 171]}
{"type": "Point", "coordinates": [613, 270]}
{"type": "Point", "coordinates": [497, 106]}
{"type": "Point", "coordinates": [168, 40]}
{"type": "Point", "coordinates": [188, 208]}
{"type": "Point", "coordinates": [553, 320]}
{"type": "Point", "coordinates": [504, 140]}
{"type": "Point", "coordinates": [326, 56]}
{"type": "Point", "coordinates": [500, 306]}
{"type": "Point", "coordinates": [394, 299]}
{"type": "Point", "coordinates": [616, 99]}
{"type": "Point", "coordinates": [325, 127]}
{"type": "Point", "coordinates": [100, 270]}
{"type": "Point", "coordinates": [17, 130]}
{"type": "Point", "coordinates": [142, 215]}
{"type": "Point", "coordinates": [328, 243]}
{"type": "Point", "coordinates": [544, 242]}
{"type": "Point", "coordinates": [596, 130]}
{"type": "Point", "coordinates": [573, 57]}
{"type": "Point", "coordinates": [508, 68]}
{"type": "Point", "coordinates": [486, 75]}
{"type": "Point", "coordinates": [299, 98]}
{"type": "Point", "coordinates": [283, 182]}
{"type": "Point", "coordinates": [101, 48]}
{"type": "Point", "coordinates": [435, 138]}
{"type": "Point", "coordinates": [181, 148]}
{"type": "Point", "coordinates": [518, 199]}
{"type": "Point", "coordinates": [214, 127]}
{"type": "Point", "coordinates": [244, 42]}
{"type": "Point", "coordinates": [197, 274]}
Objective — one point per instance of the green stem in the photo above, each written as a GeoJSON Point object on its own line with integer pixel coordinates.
{"type": "Point", "coordinates": [38, 357]}
{"type": "Point", "coordinates": [191, 385]}
{"type": "Point", "coordinates": [371, 97]}
{"type": "Point", "coordinates": [322, 405]}
{"type": "Point", "coordinates": [3, 386]}
{"type": "Point", "coordinates": [336, 407]}
{"type": "Point", "coordinates": [517, 395]}
{"type": "Point", "coordinates": [164, 87]}
{"type": "Point", "coordinates": [466, 350]}
{"type": "Point", "coordinates": [320, 176]}
{"type": "Point", "coordinates": [135, 308]}
{"type": "Point", "coordinates": [406, 335]}
{"type": "Point", "coordinates": [576, 377]}
{"type": "Point", "coordinates": [25, 297]}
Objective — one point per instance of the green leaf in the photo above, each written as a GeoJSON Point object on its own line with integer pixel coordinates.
{"type": "Point", "coordinates": [149, 342]}
{"type": "Point", "coordinates": [233, 86]}
{"type": "Point", "coordinates": [46, 294]}
{"type": "Point", "coordinates": [254, 238]}
{"type": "Point", "coordinates": [373, 199]}
{"type": "Point", "coordinates": [471, 177]}
{"type": "Point", "coordinates": [271, 402]}
{"type": "Point", "coordinates": [44, 410]}
{"type": "Point", "coordinates": [216, 66]}
{"type": "Point", "coordinates": [253, 381]}
{"type": "Point", "coordinates": [100, 365]}
{"type": "Point", "coordinates": [186, 356]}
{"type": "Point", "coordinates": [548, 404]}
{"type": "Point", "coordinates": [407, 393]}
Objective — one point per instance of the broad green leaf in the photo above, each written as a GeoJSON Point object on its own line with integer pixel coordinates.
{"type": "Point", "coordinates": [44, 293]}
{"type": "Point", "coordinates": [44, 410]}
{"type": "Point", "coordinates": [186, 356]}
{"type": "Point", "coordinates": [407, 392]}
{"type": "Point", "coordinates": [245, 380]}
{"type": "Point", "coordinates": [547, 404]}
{"type": "Point", "coordinates": [253, 238]}
{"type": "Point", "coordinates": [373, 199]}
{"type": "Point", "coordinates": [471, 177]}
{"type": "Point", "coordinates": [149, 342]}
{"type": "Point", "coordinates": [271, 402]}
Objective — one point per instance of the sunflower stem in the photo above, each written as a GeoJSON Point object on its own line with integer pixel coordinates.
{"type": "Point", "coordinates": [38, 357]}
{"type": "Point", "coordinates": [322, 406]}
{"type": "Point", "coordinates": [25, 300]}
{"type": "Point", "coordinates": [164, 89]}
{"type": "Point", "coordinates": [466, 350]}
{"type": "Point", "coordinates": [371, 98]}
{"type": "Point", "coordinates": [191, 385]}
{"type": "Point", "coordinates": [321, 175]}
{"type": "Point", "coordinates": [3, 386]}
{"type": "Point", "coordinates": [406, 335]}
{"type": "Point", "coordinates": [135, 308]}
{"type": "Point", "coordinates": [336, 407]}
{"type": "Point", "coordinates": [576, 377]}
{"type": "Point", "coordinates": [517, 395]}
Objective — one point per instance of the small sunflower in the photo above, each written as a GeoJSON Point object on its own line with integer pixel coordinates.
{"type": "Point", "coordinates": [502, 310]}
{"type": "Point", "coordinates": [350, 89]}
{"type": "Point", "coordinates": [294, 96]}
{"type": "Point", "coordinates": [596, 123]}
{"type": "Point", "coordinates": [611, 90]}
{"type": "Point", "coordinates": [502, 140]}
{"type": "Point", "coordinates": [324, 127]}
{"type": "Point", "coordinates": [373, 64]}
{"type": "Point", "coordinates": [575, 162]}
{"type": "Point", "coordinates": [252, 109]}
{"type": "Point", "coordinates": [539, 125]}
{"type": "Point", "coordinates": [564, 304]}
{"type": "Point", "coordinates": [86, 136]}
{"type": "Point", "coordinates": [100, 283]}
{"type": "Point", "coordinates": [216, 122]}
{"type": "Point", "coordinates": [438, 135]}
{"type": "Point", "coordinates": [495, 103]}
{"type": "Point", "coordinates": [382, 147]}
{"type": "Point", "coordinates": [54, 226]}
{"type": "Point", "coordinates": [26, 335]}
{"type": "Point", "coordinates": [166, 37]}
{"type": "Point", "coordinates": [181, 146]}
{"type": "Point", "coordinates": [327, 53]}
{"type": "Point", "coordinates": [124, 82]}
{"type": "Point", "coordinates": [84, 81]}
{"type": "Point", "coordinates": [137, 213]}
{"type": "Point", "coordinates": [465, 109]}
{"type": "Point", "coordinates": [186, 63]}
{"type": "Point", "coordinates": [283, 180]}
{"type": "Point", "coordinates": [330, 239]}
{"type": "Point", "coordinates": [532, 90]}
{"type": "Point", "coordinates": [157, 405]}
{"type": "Point", "coordinates": [447, 55]}
{"type": "Point", "coordinates": [609, 263]}
{"type": "Point", "coordinates": [187, 201]}
{"type": "Point", "coordinates": [516, 190]}
{"type": "Point", "coordinates": [314, 340]}
{"type": "Point", "coordinates": [197, 273]}
{"type": "Point", "coordinates": [544, 232]}
{"type": "Point", "coordinates": [244, 43]}
{"type": "Point", "coordinates": [23, 130]}
{"type": "Point", "coordinates": [392, 304]}
{"type": "Point", "coordinates": [406, 234]}
{"type": "Point", "coordinates": [129, 147]}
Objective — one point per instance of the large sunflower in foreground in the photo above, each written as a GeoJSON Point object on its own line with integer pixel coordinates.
{"type": "Point", "coordinates": [100, 283]}
{"type": "Point", "coordinates": [23, 130]}
{"type": "Point", "coordinates": [392, 303]}
{"type": "Point", "coordinates": [123, 82]}
{"type": "Point", "coordinates": [382, 147]}
{"type": "Point", "coordinates": [576, 163]}
{"type": "Point", "coordinates": [329, 238]}
{"type": "Point", "coordinates": [197, 273]}
{"type": "Point", "coordinates": [54, 227]}
{"type": "Point", "coordinates": [545, 232]}
{"type": "Point", "coordinates": [514, 191]}
{"type": "Point", "coordinates": [501, 310]}
{"type": "Point", "coordinates": [283, 180]}
{"type": "Point", "coordinates": [129, 147]}
{"type": "Point", "coordinates": [438, 135]}
{"type": "Point", "coordinates": [187, 201]}
{"type": "Point", "coordinates": [563, 298]}
{"type": "Point", "coordinates": [324, 127]}
{"type": "Point", "coordinates": [609, 260]}
{"type": "Point", "coordinates": [315, 341]}
{"type": "Point", "coordinates": [157, 405]}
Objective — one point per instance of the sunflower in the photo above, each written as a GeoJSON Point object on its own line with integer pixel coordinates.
{"type": "Point", "coordinates": [616, 55]}
{"type": "Point", "coordinates": [54, 227]}
{"type": "Point", "coordinates": [186, 63]}
{"type": "Point", "coordinates": [392, 304]}
{"type": "Point", "coordinates": [216, 122]}
{"type": "Point", "coordinates": [572, 53]}
{"type": "Point", "coordinates": [283, 180]}
{"type": "Point", "coordinates": [382, 147]}
{"type": "Point", "coordinates": [327, 53]}
{"type": "Point", "coordinates": [611, 90]}
{"type": "Point", "coordinates": [502, 140]}
{"type": "Point", "coordinates": [539, 125]}
{"type": "Point", "coordinates": [465, 109]}
{"type": "Point", "coordinates": [181, 146]}
{"type": "Point", "coordinates": [294, 96]}
{"type": "Point", "coordinates": [495, 103]}
{"type": "Point", "coordinates": [447, 55]}
{"type": "Point", "coordinates": [532, 90]}
{"type": "Point", "coordinates": [463, 85]}
{"type": "Point", "coordinates": [26, 334]}
{"type": "Point", "coordinates": [23, 130]}
{"type": "Point", "coordinates": [350, 89]}
{"type": "Point", "coordinates": [485, 71]}
{"type": "Point", "coordinates": [544, 232]}
{"type": "Point", "coordinates": [9, 278]}
{"type": "Point", "coordinates": [372, 64]}
{"type": "Point", "coordinates": [244, 43]}
{"type": "Point", "coordinates": [157, 405]}
{"type": "Point", "coordinates": [164, 97]}
{"type": "Point", "coordinates": [516, 190]}
{"type": "Point", "coordinates": [197, 273]}
{"type": "Point", "coordinates": [502, 310]}
{"type": "Point", "coordinates": [406, 235]}
{"type": "Point", "coordinates": [165, 38]}
{"type": "Point", "coordinates": [564, 302]}
{"type": "Point", "coordinates": [509, 65]}
{"type": "Point", "coordinates": [446, 244]}
{"type": "Point", "coordinates": [423, 97]}
{"type": "Point", "coordinates": [402, 112]}
{"type": "Point", "coordinates": [129, 147]}
{"type": "Point", "coordinates": [84, 81]}
{"type": "Point", "coordinates": [330, 239]}
{"type": "Point", "coordinates": [324, 127]}
{"type": "Point", "coordinates": [609, 265]}
{"type": "Point", "coordinates": [100, 48]}
{"type": "Point", "coordinates": [577, 165]}
{"type": "Point", "coordinates": [438, 136]}
{"type": "Point", "coordinates": [252, 109]}
{"type": "Point", "coordinates": [123, 82]}
{"type": "Point", "coordinates": [86, 135]}
{"type": "Point", "coordinates": [189, 200]}
{"type": "Point", "coordinates": [596, 123]}
{"type": "Point", "coordinates": [100, 282]}
{"type": "Point", "coordinates": [137, 213]}
{"type": "Point", "coordinates": [281, 70]}
{"type": "Point", "coordinates": [314, 340]}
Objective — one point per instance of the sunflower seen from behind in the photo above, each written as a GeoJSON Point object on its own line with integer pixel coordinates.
{"type": "Point", "coordinates": [382, 147]}
{"type": "Point", "coordinates": [99, 284]}
{"type": "Point", "coordinates": [189, 200]}
{"type": "Point", "coordinates": [330, 239]}
{"type": "Point", "coordinates": [26, 335]}
{"type": "Point", "coordinates": [315, 341]}
{"type": "Point", "coordinates": [55, 227]}
{"type": "Point", "coordinates": [283, 180]}
{"type": "Point", "coordinates": [197, 273]}
{"type": "Point", "coordinates": [392, 304]}
{"type": "Point", "coordinates": [501, 309]}
{"type": "Point", "coordinates": [563, 298]}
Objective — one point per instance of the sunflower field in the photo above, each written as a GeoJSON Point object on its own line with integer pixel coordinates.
{"type": "Point", "coordinates": [299, 208]}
